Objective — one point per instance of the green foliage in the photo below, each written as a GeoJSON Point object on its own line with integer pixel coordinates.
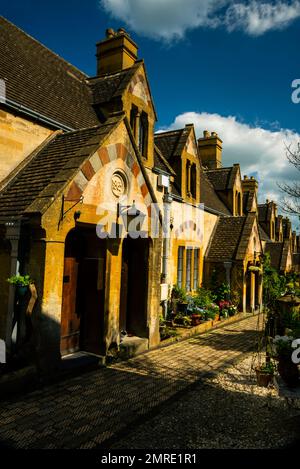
{"type": "Point", "coordinates": [203, 298]}
{"type": "Point", "coordinates": [168, 332]}
{"type": "Point", "coordinates": [183, 319]}
{"type": "Point", "coordinates": [20, 280]}
{"type": "Point", "coordinates": [283, 346]}
{"type": "Point", "coordinates": [267, 368]}
{"type": "Point", "coordinates": [179, 294]}
{"type": "Point", "coordinates": [274, 284]}
{"type": "Point", "coordinates": [221, 292]}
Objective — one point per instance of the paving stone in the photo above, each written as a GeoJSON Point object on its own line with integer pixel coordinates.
{"type": "Point", "coordinates": [82, 412]}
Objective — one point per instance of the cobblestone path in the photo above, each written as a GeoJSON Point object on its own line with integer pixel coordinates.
{"type": "Point", "coordinates": [85, 411]}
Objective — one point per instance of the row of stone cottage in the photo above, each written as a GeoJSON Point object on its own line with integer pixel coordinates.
{"type": "Point", "coordinates": [81, 167]}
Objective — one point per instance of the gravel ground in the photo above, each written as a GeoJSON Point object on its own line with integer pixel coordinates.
{"type": "Point", "coordinates": [227, 410]}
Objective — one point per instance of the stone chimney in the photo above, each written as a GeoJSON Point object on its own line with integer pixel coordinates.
{"type": "Point", "coordinates": [250, 185]}
{"type": "Point", "coordinates": [210, 150]}
{"type": "Point", "coordinates": [116, 52]}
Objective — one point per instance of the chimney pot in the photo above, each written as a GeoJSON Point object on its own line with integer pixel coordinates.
{"type": "Point", "coordinates": [110, 33]}
{"type": "Point", "coordinates": [245, 177]}
{"type": "Point", "coordinates": [116, 52]}
{"type": "Point", "coordinates": [206, 134]}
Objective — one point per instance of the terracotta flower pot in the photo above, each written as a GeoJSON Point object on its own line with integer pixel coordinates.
{"type": "Point", "coordinates": [196, 319]}
{"type": "Point", "coordinates": [263, 377]}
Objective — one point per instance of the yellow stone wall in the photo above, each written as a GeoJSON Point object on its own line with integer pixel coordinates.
{"type": "Point", "coordinates": [18, 138]}
{"type": "Point", "coordinates": [97, 196]}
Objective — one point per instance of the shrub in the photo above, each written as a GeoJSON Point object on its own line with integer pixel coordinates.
{"type": "Point", "coordinates": [20, 280]}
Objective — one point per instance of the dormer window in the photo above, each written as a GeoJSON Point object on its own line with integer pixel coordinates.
{"type": "Point", "coordinates": [191, 179]}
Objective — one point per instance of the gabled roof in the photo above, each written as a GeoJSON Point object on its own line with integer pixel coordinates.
{"type": "Point", "coordinates": [263, 235]}
{"type": "Point", "coordinates": [223, 178]}
{"type": "Point", "coordinates": [112, 85]}
{"type": "Point", "coordinates": [209, 197]}
{"type": "Point", "coordinates": [265, 211]}
{"type": "Point", "coordinates": [172, 143]}
{"type": "Point", "coordinates": [51, 168]}
{"type": "Point", "coordinates": [38, 79]}
{"type": "Point", "coordinates": [226, 239]}
{"type": "Point", "coordinates": [231, 238]}
{"type": "Point", "coordinates": [161, 163]}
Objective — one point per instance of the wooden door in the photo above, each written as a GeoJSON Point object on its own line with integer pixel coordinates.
{"type": "Point", "coordinates": [70, 321]}
{"type": "Point", "coordinates": [91, 303]}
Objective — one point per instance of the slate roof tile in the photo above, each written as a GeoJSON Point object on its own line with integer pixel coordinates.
{"type": "Point", "coordinates": [51, 168]}
{"type": "Point", "coordinates": [226, 239]}
{"type": "Point", "coordinates": [40, 80]}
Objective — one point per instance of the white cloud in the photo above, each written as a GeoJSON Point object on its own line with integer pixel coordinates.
{"type": "Point", "coordinates": [164, 19]}
{"type": "Point", "coordinates": [256, 18]}
{"type": "Point", "coordinates": [170, 19]}
{"type": "Point", "coordinates": [260, 152]}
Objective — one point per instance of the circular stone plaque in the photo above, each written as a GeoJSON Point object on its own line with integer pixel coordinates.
{"type": "Point", "coordinates": [118, 184]}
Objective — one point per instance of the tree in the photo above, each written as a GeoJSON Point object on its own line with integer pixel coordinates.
{"type": "Point", "coordinates": [291, 203]}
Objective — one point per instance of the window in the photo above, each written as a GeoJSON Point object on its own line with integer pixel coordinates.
{"type": "Point", "coordinates": [187, 182]}
{"type": "Point", "coordinates": [180, 267]}
{"type": "Point", "coordinates": [143, 134]}
{"type": "Point", "coordinates": [239, 204]}
{"type": "Point", "coordinates": [188, 275]}
{"type": "Point", "coordinates": [133, 116]}
{"type": "Point", "coordinates": [193, 181]}
{"type": "Point", "coordinates": [188, 262]}
{"type": "Point", "coordinates": [196, 268]}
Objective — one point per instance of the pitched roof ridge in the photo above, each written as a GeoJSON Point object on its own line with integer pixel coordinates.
{"type": "Point", "coordinates": [163, 133]}
{"type": "Point", "coordinates": [84, 75]}
{"type": "Point", "coordinates": [114, 74]}
{"type": "Point", "coordinates": [218, 169]}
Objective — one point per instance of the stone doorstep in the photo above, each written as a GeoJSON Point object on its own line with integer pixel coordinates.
{"type": "Point", "coordinates": [132, 346]}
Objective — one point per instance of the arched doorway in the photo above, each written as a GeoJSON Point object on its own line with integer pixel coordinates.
{"type": "Point", "coordinates": [134, 286]}
{"type": "Point", "coordinates": [82, 314]}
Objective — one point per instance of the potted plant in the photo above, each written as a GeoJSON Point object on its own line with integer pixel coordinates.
{"type": "Point", "coordinates": [180, 299]}
{"type": "Point", "coordinates": [232, 310]}
{"type": "Point", "coordinates": [287, 370]}
{"type": "Point", "coordinates": [196, 317]}
{"type": "Point", "coordinates": [264, 374]}
{"type": "Point", "coordinates": [21, 282]}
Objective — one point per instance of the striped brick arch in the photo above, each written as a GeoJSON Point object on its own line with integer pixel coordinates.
{"type": "Point", "coordinates": [99, 159]}
{"type": "Point", "coordinates": [140, 79]}
{"type": "Point", "coordinates": [187, 225]}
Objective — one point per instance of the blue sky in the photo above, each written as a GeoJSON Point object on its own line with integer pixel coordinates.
{"type": "Point", "coordinates": [227, 65]}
